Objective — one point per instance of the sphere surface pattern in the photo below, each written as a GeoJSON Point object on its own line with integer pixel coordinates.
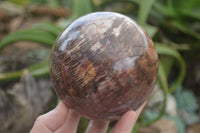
{"type": "Point", "coordinates": [103, 65]}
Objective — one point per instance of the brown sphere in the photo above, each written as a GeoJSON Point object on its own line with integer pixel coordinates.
{"type": "Point", "coordinates": [103, 65]}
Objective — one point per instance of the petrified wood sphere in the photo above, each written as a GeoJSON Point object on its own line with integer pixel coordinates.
{"type": "Point", "coordinates": [103, 65]}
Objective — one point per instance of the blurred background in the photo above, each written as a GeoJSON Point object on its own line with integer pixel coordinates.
{"type": "Point", "coordinates": [28, 29]}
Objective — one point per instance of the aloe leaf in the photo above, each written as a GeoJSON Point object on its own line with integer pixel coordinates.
{"type": "Point", "coordinates": [165, 10]}
{"type": "Point", "coordinates": [10, 75]}
{"type": "Point", "coordinates": [145, 7]}
{"type": "Point", "coordinates": [52, 28]}
{"type": "Point", "coordinates": [81, 7]}
{"type": "Point", "coordinates": [151, 30]}
{"type": "Point", "coordinates": [40, 69]}
{"type": "Point", "coordinates": [165, 50]}
{"type": "Point", "coordinates": [108, 2]}
{"type": "Point", "coordinates": [52, 3]}
{"type": "Point", "coordinates": [184, 28]}
{"type": "Point", "coordinates": [164, 85]}
{"type": "Point", "coordinates": [194, 13]}
{"type": "Point", "coordinates": [187, 8]}
{"type": "Point", "coordinates": [28, 35]}
{"type": "Point", "coordinates": [36, 70]}
{"type": "Point", "coordinates": [167, 62]}
{"type": "Point", "coordinates": [162, 77]}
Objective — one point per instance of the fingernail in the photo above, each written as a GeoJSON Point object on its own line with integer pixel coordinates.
{"type": "Point", "coordinates": [139, 110]}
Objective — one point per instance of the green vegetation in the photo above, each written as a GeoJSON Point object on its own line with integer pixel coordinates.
{"type": "Point", "coordinates": [174, 27]}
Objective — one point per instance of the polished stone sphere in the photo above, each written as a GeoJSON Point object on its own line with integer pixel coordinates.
{"type": "Point", "coordinates": [103, 65]}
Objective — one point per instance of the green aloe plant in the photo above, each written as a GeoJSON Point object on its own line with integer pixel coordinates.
{"type": "Point", "coordinates": [43, 33]}
{"type": "Point", "coordinates": [46, 33]}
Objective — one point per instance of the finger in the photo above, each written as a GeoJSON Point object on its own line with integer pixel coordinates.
{"type": "Point", "coordinates": [52, 120]}
{"type": "Point", "coordinates": [97, 127]}
{"type": "Point", "coordinates": [71, 123]}
{"type": "Point", "coordinates": [40, 128]}
{"type": "Point", "coordinates": [127, 121]}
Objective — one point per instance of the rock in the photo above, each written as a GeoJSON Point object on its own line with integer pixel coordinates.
{"type": "Point", "coordinates": [97, 2]}
{"type": "Point", "coordinates": [57, 12]}
{"type": "Point", "coordinates": [2, 16]}
{"type": "Point", "coordinates": [20, 23]}
{"type": "Point", "coordinates": [194, 128]}
{"type": "Point", "coordinates": [165, 126]}
{"type": "Point", "coordinates": [22, 102]}
{"type": "Point", "coordinates": [11, 9]}
{"type": "Point", "coordinates": [27, 53]}
{"type": "Point", "coordinates": [157, 99]}
{"type": "Point", "coordinates": [171, 107]}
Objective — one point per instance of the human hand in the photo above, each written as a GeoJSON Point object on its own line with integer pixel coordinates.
{"type": "Point", "coordinates": [65, 120]}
